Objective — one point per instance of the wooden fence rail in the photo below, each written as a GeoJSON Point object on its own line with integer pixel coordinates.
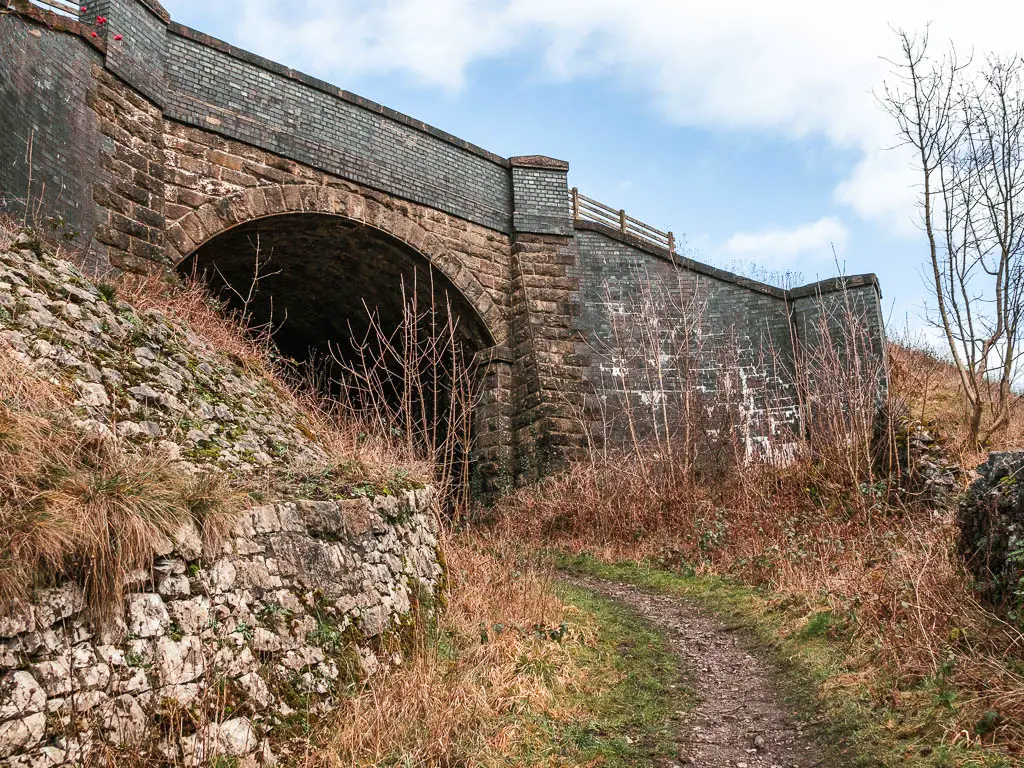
{"type": "Point", "coordinates": [63, 7]}
{"type": "Point", "coordinates": [587, 209]}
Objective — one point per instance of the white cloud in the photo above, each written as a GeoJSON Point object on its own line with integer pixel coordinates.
{"type": "Point", "coordinates": [434, 41]}
{"type": "Point", "coordinates": [797, 68]}
{"type": "Point", "coordinates": [802, 246]}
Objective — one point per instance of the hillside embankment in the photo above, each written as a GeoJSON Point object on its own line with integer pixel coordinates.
{"type": "Point", "coordinates": [186, 564]}
{"type": "Point", "coordinates": [203, 564]}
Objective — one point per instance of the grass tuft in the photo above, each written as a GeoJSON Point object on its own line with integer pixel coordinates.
{"type": "Point", "coordinates": [86, 508]}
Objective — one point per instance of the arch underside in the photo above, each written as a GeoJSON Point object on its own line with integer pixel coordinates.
{"type": "Point", "coordinates": [316, 279]}
{"type": "Point", "coordinates": [396, 223]}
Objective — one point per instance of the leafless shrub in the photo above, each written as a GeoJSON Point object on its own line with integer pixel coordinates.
{"type": "Point", "coordinates": [414, 383]}
{"type": "Point", "coordinates": [829, 528]}
{"type": "Point", "coordinates": [965, 127]}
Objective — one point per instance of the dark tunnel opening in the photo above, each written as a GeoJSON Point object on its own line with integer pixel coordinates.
{"type": "Point", "coordinates": [328, 289]}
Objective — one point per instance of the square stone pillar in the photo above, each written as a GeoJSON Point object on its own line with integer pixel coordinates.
{"type": "Point", "coordinates": [139, 57]}
{"type": "Point", "coordinates": [547, 371]}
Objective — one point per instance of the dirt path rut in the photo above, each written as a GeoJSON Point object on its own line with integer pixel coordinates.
{"type": "Point", "coordinates": [739, 720]}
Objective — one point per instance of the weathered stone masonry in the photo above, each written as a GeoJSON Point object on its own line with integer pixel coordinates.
{"type": "Point", "coordinates": [156, 146]}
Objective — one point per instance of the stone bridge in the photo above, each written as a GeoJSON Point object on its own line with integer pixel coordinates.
{"type": "Point", "coordinates": [161, 148]}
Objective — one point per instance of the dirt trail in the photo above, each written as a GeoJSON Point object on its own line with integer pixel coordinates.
{"type": "Point", "coordinates": [739, 720]}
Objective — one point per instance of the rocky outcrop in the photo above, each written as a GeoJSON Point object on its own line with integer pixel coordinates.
{"type": "Point", "coordinates": [991, 521]}
{"type": "Point", "coordinates": [223, 643]}
{"type": "Point", "coordinates": [218, 651]}
{"type": "Point", "coordinates": [143, 377]}
{"type": "Point", "coordinates": [917, 456]}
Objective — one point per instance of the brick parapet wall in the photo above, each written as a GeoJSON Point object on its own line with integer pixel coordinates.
{"type": "Point", "coordinates": [139, 57]}
{"type": "Point", "coordinates": [540, 193]}
{"type": "Point", "coordinates": [45, 78]}
{"type": "Point", "coordinates": [230, 92]}
{"type": "Point", "coordinates": [841, 320]}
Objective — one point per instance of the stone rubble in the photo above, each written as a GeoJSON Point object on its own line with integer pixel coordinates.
{"type": "Point", "coordinates": [990, 517]}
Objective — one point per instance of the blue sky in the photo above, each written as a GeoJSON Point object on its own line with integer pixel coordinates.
{"type": "Point", "coordinates": [750, 128]}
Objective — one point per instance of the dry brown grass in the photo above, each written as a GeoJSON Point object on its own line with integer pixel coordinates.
{"type": "Point", "coordinates": [365, 452]}
{"type": "Point", "coordinates": [888, 572]}
{"type": "Point", "coordinates": [456, 700]}
{"type": "Point", "coordinates": [74, 505]}
{"type": "Point", "coordinates": [931, 387]}
{"type": "Point", "coordinates": [830, 531]}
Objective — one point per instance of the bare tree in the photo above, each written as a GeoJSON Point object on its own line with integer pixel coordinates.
{"type": "Point", "coordinates": [965, 125]}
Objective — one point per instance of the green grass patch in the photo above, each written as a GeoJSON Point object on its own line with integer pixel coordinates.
{"type": "Point", "coordinates": [809, 648]}
{"type": "Point", "coordinates": [632, 721]}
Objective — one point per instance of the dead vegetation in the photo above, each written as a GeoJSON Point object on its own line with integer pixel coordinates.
{"type": "Point", "coordinates": [931, 387]}
{"type": "Point", "coordinates": [472, 691]}
{"type": "Point", "coordinates": [74, 505]}
{"type": "Point", "coordinates": [841, 531]}
{"type": "Point", "coordinates": [357, 450]}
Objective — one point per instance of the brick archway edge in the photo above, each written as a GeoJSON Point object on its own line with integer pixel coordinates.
{"type": "Point", "coordinates": [202, 225]}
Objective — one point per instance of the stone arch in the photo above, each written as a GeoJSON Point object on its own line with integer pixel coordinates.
{"type": "Point", "coordinates": [200, 226]}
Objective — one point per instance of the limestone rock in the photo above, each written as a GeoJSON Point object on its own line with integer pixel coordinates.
{"type": "Point", "coordinates": [124, 721]}
{"type": "Point", "coordinates": [55, 675]}
{"type": "Point", "coordinates": [147, 616]}
{"type": "Point", "coordinates": [991, 522]}
{"type": "Point", "coordinates": [233, 738]}
{"type": "Point", "coordinates": [20, 695]}
{"type": "Point", "coordinates": [18, 735]}
{"type": "Point", "coordinates": [273, 599]}
{"type": "Point", "coordinates": [19, 619]}
{"type": "Point", "coordinates": [192, 616]}
{"type": "Point", "coordinates": [237, 737]}
{"type": "Point", "coordinates": [179, 661]}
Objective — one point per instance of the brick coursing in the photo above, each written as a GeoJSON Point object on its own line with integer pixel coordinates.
{"type": "Point", "coordinates": [746, 337]}
{"type": "Point", "coordinates": [219, 91]}
{"type": "Point", "coordinates": [541, 197]}
{"type": "Point", "coordinates": [45, 77]}
{"type": "Point", "coordinates": [154, 145]}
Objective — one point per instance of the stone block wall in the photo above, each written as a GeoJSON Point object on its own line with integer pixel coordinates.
{"type": "Point", "coordinates": [128, 190]}
{"type": "Point", "coordinates": [731, 342]}
{"type": "Point", "coordinates": [298, 602]}
{"type": "Point", "coordinates": [547, 380]}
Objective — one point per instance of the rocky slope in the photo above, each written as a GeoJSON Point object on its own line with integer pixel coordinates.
{"type": "Point", "coordinates": [224, 646]}
{"type": "Point", "coordinates": [142, 376]}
